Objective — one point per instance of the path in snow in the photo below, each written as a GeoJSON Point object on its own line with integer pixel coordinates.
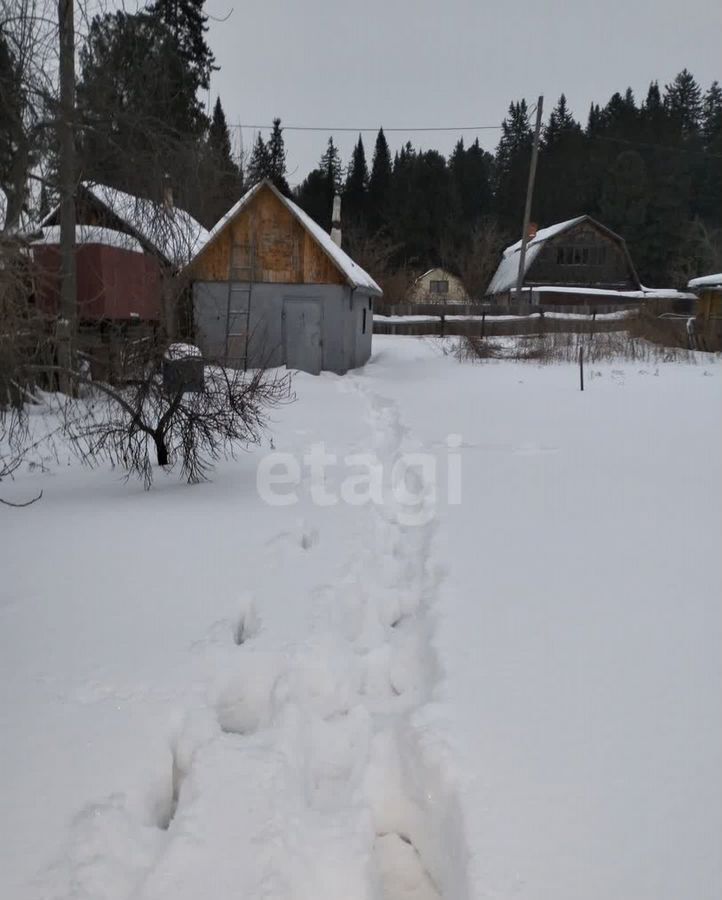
{"type": "Point", "coordinates": [300, 770]}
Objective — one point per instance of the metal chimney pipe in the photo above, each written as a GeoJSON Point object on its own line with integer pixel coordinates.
{"type": "Point", "coordinates": [336, 221]}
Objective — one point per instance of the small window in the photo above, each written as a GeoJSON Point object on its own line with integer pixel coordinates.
{"type": "Point", "coordinates": [577, 255]}
{"type": "Point", "coordinates": [363, 324]}
{"type": "Point", "coordinates": [560, 256]}
{"type": "Point", "coordinates": [439, 287]}
{"type": "Point", "coordinates": [585, 256]}
{"type": "Point", "coordinates": [568, 256]}
{"type": "Point", "coordinates": [371, 303]}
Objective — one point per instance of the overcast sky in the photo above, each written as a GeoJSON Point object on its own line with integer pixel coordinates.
{"type": "Point", "coordinates": [438, 63]}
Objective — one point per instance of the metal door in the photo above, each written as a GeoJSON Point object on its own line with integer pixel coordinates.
{"type": "Point", "coordinates": [302, 334]}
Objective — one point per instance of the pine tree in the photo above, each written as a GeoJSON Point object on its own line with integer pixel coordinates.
{"type": "Point", "coordinates": [186, 22]}
{"type": "Point", "coordinates": [683, 101]}
{"type": "Point", "coordinates": [379, 183]}
{"type": "Point", "coordinates": [277, 158]}
{"type": "Point", "coordinates": [259, 166]}
{"type": "Point", "coordinates": [355, 190]}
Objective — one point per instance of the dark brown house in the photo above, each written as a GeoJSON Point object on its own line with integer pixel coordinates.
{"type": "Point", "coordinates": [578, 262]}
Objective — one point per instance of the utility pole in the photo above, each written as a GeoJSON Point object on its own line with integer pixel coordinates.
{"type": "Point", "coordinates": [67, 322]}
{"type": "Point", "coordinates": [529, 195]}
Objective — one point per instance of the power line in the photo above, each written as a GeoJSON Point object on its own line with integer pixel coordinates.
{"type": "Point", "coordinates": [356, 130]}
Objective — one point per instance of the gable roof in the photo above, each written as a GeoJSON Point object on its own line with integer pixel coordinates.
{"type": "Point", "coordinates": [353, 273]}
{"type": "Point", "coordinates": [170, 232]}
{"type": "Point", "coordinates": [504, 279]}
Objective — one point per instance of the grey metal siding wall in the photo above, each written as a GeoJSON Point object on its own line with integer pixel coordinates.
{"type": "Point", "coordinates": [344, 343]}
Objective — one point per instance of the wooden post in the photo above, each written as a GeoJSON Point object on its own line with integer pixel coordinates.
{"type": "Point", "coordinates": [483, 323]}
{"type": "Point", "coordinates": [529, 194]}
{"type": "Point", "coordinates": [581, 367]}
{"type": "Point", "coordinates": [67, 325]}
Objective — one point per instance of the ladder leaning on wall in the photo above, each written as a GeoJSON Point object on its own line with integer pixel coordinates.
{"type": "Point", "coordinates": [241, 272]}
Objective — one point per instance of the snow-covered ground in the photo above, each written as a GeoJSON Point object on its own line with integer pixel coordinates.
{"type": "Point", "coordinates": [512, 696]}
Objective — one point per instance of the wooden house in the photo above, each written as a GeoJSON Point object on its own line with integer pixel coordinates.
{"type": "Point", "coordinates": [271, 287]}
{"type": "Point", "coordinates": [438, 286]}
{"type": "Point", "coordinates": [575, 263]}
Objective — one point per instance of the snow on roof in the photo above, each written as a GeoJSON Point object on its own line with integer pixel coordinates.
{"type": "Point", "coordinates": [182, 351]}
{"type": "Point", "coordinates": [545, 233]}
{"type": "Point", "coordinates": [356, 276]}
{"type": "Point", "coordinates": [505, 276]}
{"type": "Point", "coordinates": [172, 231]}
{"type": "Point", "coordinates": [706, 281]}
{"type": "Point", "coordinates": [91, 234]}
{"type": "Point", "coordinates": [644, 294]}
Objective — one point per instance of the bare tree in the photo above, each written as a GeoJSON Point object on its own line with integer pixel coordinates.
{"type": "Point", "coordinates": [159, 414]}
{"type": "Point", "coordinates": [478, 259]}
{"type": "Point", "coordinates": [375, 253]}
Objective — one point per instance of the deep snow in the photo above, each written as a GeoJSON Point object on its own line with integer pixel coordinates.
{"type": "Point", "coordinates": [518, 697]}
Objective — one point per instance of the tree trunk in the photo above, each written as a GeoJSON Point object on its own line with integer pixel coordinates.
{"type": "Point", "coordinates": [66, 160]}
{"type": "Point", "coordinates": [161, 449]}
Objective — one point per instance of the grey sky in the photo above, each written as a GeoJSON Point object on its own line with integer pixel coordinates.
{"type": "Point", "coordinates": [420, 63]}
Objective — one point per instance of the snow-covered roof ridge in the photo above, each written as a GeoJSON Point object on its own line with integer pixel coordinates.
{"type": "Point", "coordinates": [356, 276]}
{"type": "Point", "coordinates": [172, 232]}
{"type": "Point", "coordinates": [705, 281]}
{"type": "Point", "coordinates": [543, 234]}
{"type": "Point", "coordinates": [91, 234]}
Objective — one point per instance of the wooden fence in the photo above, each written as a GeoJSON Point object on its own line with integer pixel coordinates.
{"type": "Point", "coordinates": [435, 319]}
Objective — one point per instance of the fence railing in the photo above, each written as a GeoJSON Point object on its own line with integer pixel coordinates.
{"type": "Point", "coordinates": [482, 320]}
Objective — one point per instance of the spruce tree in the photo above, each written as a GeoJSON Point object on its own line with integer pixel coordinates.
{"type": "Point", "coordinates": [138, 105]}
{"type": "Point", "coordinates": [708, 162]}
{"type": "Point", "coordinates": [277, 158]}
{"type": "Point", "coordinates": [259, 166]}
{"type": "Point", "coordinates": [187, 23]}
{"type": "Point", "coordinates": [330, 165]}
{"type": "Point", "coordinates": [223, 177]}
{"type": "Point", "coordinates": [562, 174]}
{"type": "Point", "coordinates": [355, 190]}
{"type": "Point", "coordinates": [315, 194]}
{"type": "Point", "coordinates": [712, 116]}
{"type": "Point", "coordinates": [379, 183]}
{"type": "Point", "coordinates": [683, 101]}
{"type": "Point", "coordinates": [512, 167]}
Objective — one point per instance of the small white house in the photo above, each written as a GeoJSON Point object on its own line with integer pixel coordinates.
{"type": "Point", "coordinates": [438, 286]}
